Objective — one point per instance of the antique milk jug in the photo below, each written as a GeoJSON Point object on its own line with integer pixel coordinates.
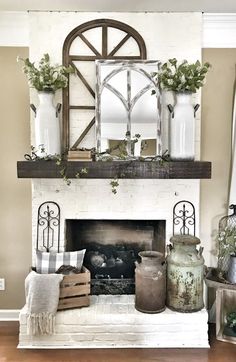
{"type": "Point", "coordinates": [185, 274]}
{"type": "Point", "coordinates": [182, 127]}
{"type": "Point", "coordinates": [47, 126]}
{"type": "Point", "coordinates": [150, 282]}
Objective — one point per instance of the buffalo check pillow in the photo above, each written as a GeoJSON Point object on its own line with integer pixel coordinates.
{"type": "Point", "coordinates": [50, 262]}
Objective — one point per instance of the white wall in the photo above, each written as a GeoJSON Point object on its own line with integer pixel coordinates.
{"type": "Point", "coordinates": [14, 29]}
{"type": "Point", "coordinates": [49, 30]}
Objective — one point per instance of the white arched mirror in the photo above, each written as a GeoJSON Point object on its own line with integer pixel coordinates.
{"type": "Point", "coordinates": [125, 106]}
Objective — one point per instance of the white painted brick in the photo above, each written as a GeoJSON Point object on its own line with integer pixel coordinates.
{"type": "Point", "coordinates": [129, 328]}
{"type": "Point", "coordinates": [135, 199]}
{"type": "Point", "coordinates": [113, 321]}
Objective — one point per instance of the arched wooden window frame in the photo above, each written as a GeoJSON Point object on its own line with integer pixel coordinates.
{"type": "Point", "coordinates": [105, 24]}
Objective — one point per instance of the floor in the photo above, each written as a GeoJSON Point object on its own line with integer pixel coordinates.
{"type": "Point", "coordinates": [219, 352]}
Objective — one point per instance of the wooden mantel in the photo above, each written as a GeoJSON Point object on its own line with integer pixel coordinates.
{"type": "Point", "coordinates": [119, 169]}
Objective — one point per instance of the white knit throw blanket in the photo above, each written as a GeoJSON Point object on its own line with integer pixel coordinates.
{"type": "Point", "coordinates": [42, 296]}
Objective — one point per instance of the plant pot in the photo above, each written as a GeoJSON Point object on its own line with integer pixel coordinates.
{"type": "Point", "coordinates": [182, 128]}
{"type": "Point", "coordinates": [230, 331]}
{"type": "Point", "coordinates": [47, 126]}
{"type": "Point", "coordinates": [231, 275]}
{"type": "Point", "coordinates": [150, 282]}
{"type": "Point", "coordinates": [185, 268]}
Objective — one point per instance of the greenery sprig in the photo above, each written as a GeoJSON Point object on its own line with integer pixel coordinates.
{"type": "Point", "coordinates": [227, 241]}
{"type": "Point", "coordinates": [58, 159]}
{"type": "Point", "coordinates": [114, 185]}
{"type": "Point", "coordinates": [181, 77]}
{"type": "Point", "coordinates": [46, 77]}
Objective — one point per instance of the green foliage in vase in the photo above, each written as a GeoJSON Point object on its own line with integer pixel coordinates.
{"type": "Point", "coordinates": [227, 245]}
{"type": "Point", "coordinates": [227, 240]}
{"type": "Point", "coordinates": [46, 77]}
{"type": "Point", "coordinates": [181, 77]}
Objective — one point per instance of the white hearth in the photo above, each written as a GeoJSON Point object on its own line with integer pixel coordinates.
{"type": "Point", "coordinates": [113, 322]}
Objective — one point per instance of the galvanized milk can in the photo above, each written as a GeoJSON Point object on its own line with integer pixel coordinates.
{"type": "Point", "coordinates": [185, 274]}
{"type": "Point", "coordinates": [150, 282]}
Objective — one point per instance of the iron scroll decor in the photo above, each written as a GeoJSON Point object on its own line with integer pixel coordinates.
{"type": "Point", "coordinates": [48, 225]}
{"type": "Point", "coordinates": [184, 218]}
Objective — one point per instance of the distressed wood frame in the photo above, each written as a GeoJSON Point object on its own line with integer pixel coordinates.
{"type": "Point", "coordinates": [105, 24]}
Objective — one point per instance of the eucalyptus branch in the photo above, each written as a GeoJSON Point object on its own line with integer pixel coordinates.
{"type": "Point", "coordinates": [181, 77]}
{"type": "Point", "coordinates": [46, 77]}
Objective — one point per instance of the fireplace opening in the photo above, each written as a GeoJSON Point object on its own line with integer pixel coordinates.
{"type": "Point", "coordinates": [112, 248]}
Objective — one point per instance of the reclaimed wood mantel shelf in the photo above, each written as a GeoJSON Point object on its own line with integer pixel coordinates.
{"type": "Point", "coordinates": [119, 169]}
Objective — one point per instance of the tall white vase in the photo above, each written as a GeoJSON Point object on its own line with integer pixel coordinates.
{"type": "Point", "coordinates": [47, 126]}
{"type": "Point", "coordinates": [182, 128]}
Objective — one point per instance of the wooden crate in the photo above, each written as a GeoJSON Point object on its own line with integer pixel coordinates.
{"type": "Point", "coordinates": [75, 290]}
{"type": "Point", "coordinates": [225, 303]}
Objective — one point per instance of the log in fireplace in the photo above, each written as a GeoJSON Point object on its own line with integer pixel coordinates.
{"type": "Point", "coordinates": [112, 247]}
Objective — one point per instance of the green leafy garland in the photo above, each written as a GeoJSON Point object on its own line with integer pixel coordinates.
{"type": "Point", "coordinates": [58, 159]}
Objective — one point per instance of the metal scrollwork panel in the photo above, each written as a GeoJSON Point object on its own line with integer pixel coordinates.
{"type": "Point", "coordinates": [184, 218]}
{"type": "Point", "coordinates": [48, 226]}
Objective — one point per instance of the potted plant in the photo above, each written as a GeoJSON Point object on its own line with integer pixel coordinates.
{"type": "Point", "coordinates": [226, 240]}
{"type": "Point", "coordinates": [46, 79]}
{"type": "Point", "coordinates": [183, 79]}
{"type": "Point", "coordinates": [230, 328]}
{"type": "Point", "coordinates": [227, 250]}
{"type": "Point", "coordinates": [231, 275]}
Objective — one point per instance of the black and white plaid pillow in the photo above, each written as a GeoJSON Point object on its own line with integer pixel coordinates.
{"type": "Point", "coordinates": [50, 262]}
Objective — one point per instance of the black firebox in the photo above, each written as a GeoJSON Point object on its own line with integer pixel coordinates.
{"type": "Point", "coordinates": [112, 248]}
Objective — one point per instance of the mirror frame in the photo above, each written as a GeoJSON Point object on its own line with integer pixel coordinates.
{"type": "Point", "coordinates": [129, 65]}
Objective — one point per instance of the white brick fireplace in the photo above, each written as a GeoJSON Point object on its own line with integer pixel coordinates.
{"type": "Point", "coordinates": [112, 321]}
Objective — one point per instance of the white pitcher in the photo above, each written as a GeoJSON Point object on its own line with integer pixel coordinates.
{"type": "Point", "coordinates": [47, 125]}
{"type": "Point", "coordinates": [182, 128]}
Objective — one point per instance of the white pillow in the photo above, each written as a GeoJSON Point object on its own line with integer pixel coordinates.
{"type": "Point", "coordinates": [50, 262]}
